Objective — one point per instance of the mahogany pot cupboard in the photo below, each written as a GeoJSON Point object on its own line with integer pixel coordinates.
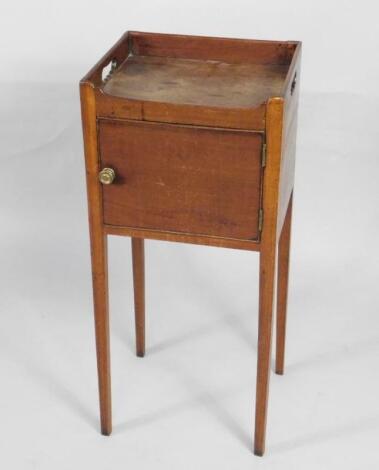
{"type": "Point", "coordinates": [192, 139]}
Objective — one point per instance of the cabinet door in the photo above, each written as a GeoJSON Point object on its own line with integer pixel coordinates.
{"type": "Point", "coordinates": [185, 179]}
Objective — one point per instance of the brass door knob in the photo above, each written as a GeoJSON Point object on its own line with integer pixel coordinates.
{"type": "Point", "coordinates": [107, 176]}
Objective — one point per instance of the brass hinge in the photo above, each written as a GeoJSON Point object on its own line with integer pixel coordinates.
{"type": "Point", "coordinates": [260, 220]}
{"type": "Point", "coordinates": [264, 155]}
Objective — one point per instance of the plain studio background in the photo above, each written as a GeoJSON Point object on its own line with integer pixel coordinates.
{"type": "Point", "coordinates": [189, 404]}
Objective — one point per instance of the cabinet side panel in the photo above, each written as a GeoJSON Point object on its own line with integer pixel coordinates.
{"type": "Point", "coordinates": [287, 166]}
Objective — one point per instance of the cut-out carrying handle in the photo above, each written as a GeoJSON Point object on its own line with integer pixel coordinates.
{"type": "Point", "coordinates": [108, 63]}
{"type": "Point", "coordinates": [293, 84]}
{"type": "Point", "coordinates": [108, 70]}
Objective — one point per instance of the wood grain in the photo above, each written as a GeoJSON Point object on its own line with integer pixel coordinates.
{"type": "Point", "coordinates": [98, 256]}
{"type": "Point", "coordinates": [169, 94]}
{"type": "Point", "coordinates": [138, 255]}
{"type": "Point", "coordinates": [281, 304]}
{"type": "Point", "coordinates": [287, 168]}
{"type": "Point", "coordinates": [182, 121]}
{"type": "Point", "coordinates": [267, 267]}
{"type": "Point", "coordinates": [182, 179]}
{"type": "Point", "coordinates": [211, 48]}
{"type": "Point", "coordinates": [109, 106]}
{"type": "Point", "coordinates": [196, 82]}
{"type": "Point", "coordinates": [220, 242]}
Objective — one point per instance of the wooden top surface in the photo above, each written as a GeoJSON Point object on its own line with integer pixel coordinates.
{"type": "Point", "coordinates": [196, 82]}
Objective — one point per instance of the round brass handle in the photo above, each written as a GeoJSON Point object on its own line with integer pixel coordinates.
{"type": "Point", "coordinates": [107, 176]}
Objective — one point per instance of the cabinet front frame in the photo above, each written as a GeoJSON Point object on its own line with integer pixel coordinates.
{"type": "Point", "coordinates": [189, 236]}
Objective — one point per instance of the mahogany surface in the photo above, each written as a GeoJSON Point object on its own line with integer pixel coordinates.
{"type": "Point", "coordinates": [182, 179]}
{"type": "Point", "coordinates": [196, 82]}
{"type": "Point", "coordinates": [200, 133]}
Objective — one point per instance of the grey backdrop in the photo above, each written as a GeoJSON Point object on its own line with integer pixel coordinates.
{"type": "Point", "coordinates": [189, 403]}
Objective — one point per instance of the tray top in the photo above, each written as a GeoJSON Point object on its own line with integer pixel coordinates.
{"type": "Point", "coordinates": [193, 80]}
{"type": "Point", "coordinates": [196, 82]}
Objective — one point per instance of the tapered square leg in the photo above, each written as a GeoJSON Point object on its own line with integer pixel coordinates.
{"type": "Point", "coordinates": [283, 270]}
{"type": "Point", "coordinates": [101, 311]}
{"type": "Point", "coordinates": [98, 255]}
{"type": "Point", "coordinates": [138, 254]}
{"type": "Point", "coordinates": [266, 296]}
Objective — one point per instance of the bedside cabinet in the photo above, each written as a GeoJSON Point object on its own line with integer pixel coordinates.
{"type": "Point", "coordinates": [192, 139]}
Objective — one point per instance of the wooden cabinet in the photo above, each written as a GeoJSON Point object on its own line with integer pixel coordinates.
{"type": "Point", "coordinates": [192, 139]}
